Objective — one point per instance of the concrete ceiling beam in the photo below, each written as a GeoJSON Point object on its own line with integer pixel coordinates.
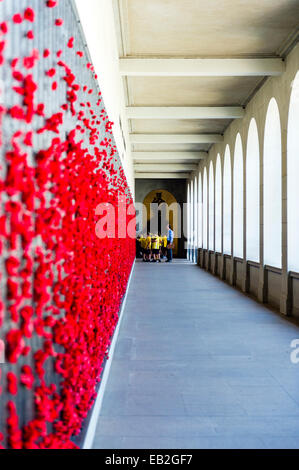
{"type": "Point", "coordinates": [183, 112]}
{"type": "Point", "coordinates": [175, 138]}
{"type": "Point", "coordinates": [168, 67]}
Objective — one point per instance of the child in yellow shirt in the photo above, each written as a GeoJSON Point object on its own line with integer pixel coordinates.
{"type": "Point", "coordinates": [148, 247]}
{"type": "Point", "coordinates": [142, 241]}
{"type": "Point", "coordinates": [155, 247]}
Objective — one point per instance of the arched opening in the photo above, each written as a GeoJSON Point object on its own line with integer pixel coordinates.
{"type": "Point", "coordinates": [293, 172]}
{"type": "Point", "coordinates": [218, 205]}
{"type": "Point", "coordinates": [199, 216]}
{"type": "Point", "coordinates": [253, 194]}
{"type": "Point", "coordinates": [192, 218]}
{"type": "Point", "coordinates": [195, 218]}
{"type": "Point", "coordinates": [211, 207]}
{"type": "Point", "coordinates": [188, 221]}
{"type": "Point", "coordinates": [162, 196]}
{"type": "Point", "coordinates": [238, 198]}
{"type": "Point", "coordinates": [205, 210]}
{"type": "Point", "coordinates": [227, 203]}
{"type": "Point", "coordinates": [272, 187]}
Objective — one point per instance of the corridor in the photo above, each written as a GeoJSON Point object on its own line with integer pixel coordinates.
{"type": "Point", "coordinates": [198, 365]}
{"type": "Point", "coordinates": [149, 129]}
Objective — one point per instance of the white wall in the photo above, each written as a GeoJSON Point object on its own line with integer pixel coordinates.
{"type": "Point", "coordinates": [98, 24]}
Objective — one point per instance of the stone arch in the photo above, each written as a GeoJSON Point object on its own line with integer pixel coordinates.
{"type": "Point", "coordinates": [169, 199]}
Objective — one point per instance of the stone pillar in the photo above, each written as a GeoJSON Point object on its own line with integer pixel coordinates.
{"type": "Point", "coordinates": [208, 260]}
{"type": "Point", "coordinates": [212, 262]}
{"type": "Point", "coordinates": [262, 293]}
{"type": "Point", "coordinates": [232, 277]}
{"type": "Point", "coordinates": [286, 294]}
{"type": "Point", "coordinates": [222, 267]}
{"type": "Point", "coordinates": [202, 258]}
{"type": "Point", "coordinates": [245, 277]}
{"type": "Point", "coordinates": [263, 285]}
{"type": "Point", "coordinates": [216, 263]}
{"type": "Point", "coordinates": [196, 256]}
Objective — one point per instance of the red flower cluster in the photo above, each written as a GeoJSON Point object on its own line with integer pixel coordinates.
{"type": "Point", "coordinates": [62, 287]}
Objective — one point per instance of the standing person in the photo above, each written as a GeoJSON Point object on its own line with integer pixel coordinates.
{"type": "Point", "coordinates": [170, 237]}
{"type": "Point", "coordinates": [160, 247]}
{"type": "Point", "coordinates": [155, 248]}
{"type": "Point", "coordinates": [164, 246]}
{"type": "Point", "coordinates": [148, 247]}
{"type": "Point", "coordinates": [143, 246]}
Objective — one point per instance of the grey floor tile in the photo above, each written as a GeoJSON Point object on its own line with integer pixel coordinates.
{"type": "Point", "coordinates": [114, 403]}
{"type": "Point", "coordinates": [281, 442]}
{"type": "Point", "coordinates": [149, 426]}
{"type": "Point", "coordinates": [193, 443]}
{"type": "Point", "coordinates": [103, 442]}
{"type": "Point", "coordinates": [256, 426]}
{"type": "Point", "coordinates": [157, 404]}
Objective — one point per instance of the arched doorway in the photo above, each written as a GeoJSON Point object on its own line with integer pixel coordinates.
{"type": "Point", "coordinates": [272, 187]}
{"type": "Point", "coordinates": [238, 206]}
{"type": "Point", "coordinates": [218, 206]}
{"type": "Point", "coordinates": [160, 196]}
{"type": "Point", "coordinates": [253, 194]}
{"type": "Point", "coordinates": [293, 171]}
{"type": "Point", "coordinates": [227, 203]}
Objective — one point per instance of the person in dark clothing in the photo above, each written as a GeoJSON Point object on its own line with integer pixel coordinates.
{"type": "Point", "coordinates": [170, 237]}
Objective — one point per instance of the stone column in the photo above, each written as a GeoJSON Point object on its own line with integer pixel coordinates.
{"type": "Point", "coordinates": [263, 285]}
{"type": "Point", "coordinates": [222, 267]}
{"type": "Point", "coordinates": [285, 298]}
{"type": "Point", "coordinates": [245, 276]}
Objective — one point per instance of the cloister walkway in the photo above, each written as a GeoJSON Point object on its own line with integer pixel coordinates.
{"type": "Point", "coordinates": [199, 365]}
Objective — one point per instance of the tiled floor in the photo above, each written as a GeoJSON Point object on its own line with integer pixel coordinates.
{"type": "Point", "coordinates": [199, 365]}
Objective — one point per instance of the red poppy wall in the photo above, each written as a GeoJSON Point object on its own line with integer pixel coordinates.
{"type": "Point", "coordinates": [61, 286]}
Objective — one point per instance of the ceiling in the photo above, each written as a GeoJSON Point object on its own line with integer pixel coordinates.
{"type": "Point", "coordinates": [239, 36]}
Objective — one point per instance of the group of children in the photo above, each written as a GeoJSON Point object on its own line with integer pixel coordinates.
{"type": "Point", "coordinates": [153, 247]}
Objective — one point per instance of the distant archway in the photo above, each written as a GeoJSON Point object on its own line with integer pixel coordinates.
{"type": "Point", "coordinates": [192, 215]}
{"type": "Point", "coordinates": [238, 199]}
{"type": "Point", "coordinates": [195, 213]}
{"type": "Point", "coordinates": [218, 206]}
{"type": "Point", "coordinates": [253, 194]}
{"type": "Point", "coordinates": [199, 214]}
{"type": "Point", "coordinates": [159, 196]}
{"type": "Point", "coordinates": [205, 209]}
{"type": "Point", "coordinates": [227, 203]}
{"type": "Point", "coordinates": [211, 207]}
{"type": "Point", "coordinates": [272, 187]}
{"type": "Point", "coordinates": [293, 172]}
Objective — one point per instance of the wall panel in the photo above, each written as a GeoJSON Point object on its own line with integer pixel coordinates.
{"type": "Point", "coordinates": [61, 285]}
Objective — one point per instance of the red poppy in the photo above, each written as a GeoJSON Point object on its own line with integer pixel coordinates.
{"type": "Point", "coordinates": [4, 27]}
{"type": "Point", "coordinates": [51, 3]}
{"type": "Point", "coordinates": [30, 35]}
{"type": "Point", "coordinates": [17, 18]}
{"type": "Point", "coordinates": [29, 15]}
